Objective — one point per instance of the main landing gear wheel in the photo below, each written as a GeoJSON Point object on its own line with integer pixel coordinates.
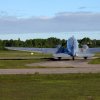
{"type": "Point", "coordinates": [85, 58]}
{"type": "Point", "coordinates": [73, 58]}
{"type": "Point", "coordinates": [59, 58]}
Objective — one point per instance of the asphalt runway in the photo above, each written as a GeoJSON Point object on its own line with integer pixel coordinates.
{"type": "Point", "coordinates": [78, 63]}
{"type": "Point", "coordinates": [57, 67]}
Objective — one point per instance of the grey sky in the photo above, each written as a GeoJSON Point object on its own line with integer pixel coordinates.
{"type": "Point", "coordinates": [61, 22]}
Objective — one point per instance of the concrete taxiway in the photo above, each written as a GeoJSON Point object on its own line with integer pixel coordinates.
{"type": "Point", "coordinates": [56, 67]}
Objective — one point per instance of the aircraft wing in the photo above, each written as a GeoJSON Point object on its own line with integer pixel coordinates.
{"type": "Point", "coordinates": [88, 53]}
{"type": "Point", "coordinates": [41, 50]}
{"type": "Point", "coordinates": [85, 55]}
{"type": "Point", "coordinates": [94, 50]}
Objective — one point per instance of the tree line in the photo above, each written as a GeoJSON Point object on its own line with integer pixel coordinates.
{"type": "Point", "coordinates": [46, 43]}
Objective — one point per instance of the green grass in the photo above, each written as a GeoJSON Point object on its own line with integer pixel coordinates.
{"type": "Point", "coordinates": [97, 60]}
{"type": "Point", "coordinates": [10, 54]}
{"type": "Point", "coordinates": [7, 64]}
{"type": "Point", "coordinates": [50, 87]}
{"type": "Point", "coordinates": [19, 59]}
{"type": "Point", "coordinates": [97, 54]}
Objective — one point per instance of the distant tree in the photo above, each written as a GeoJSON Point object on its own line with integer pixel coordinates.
{"type": "Point", "coordinates": [63, 43]}
{"type": "Point", "coordinates": [46, 43]}
{"type": "Point", "coordinates": [28, 43]}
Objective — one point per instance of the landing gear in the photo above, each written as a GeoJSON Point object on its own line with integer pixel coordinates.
{"type": "Point", "coordinates": [59, 58]}
{"type": "Point", "coordinates": [73, 58]}
{"type": "Point", "coordinates": [85, 58]}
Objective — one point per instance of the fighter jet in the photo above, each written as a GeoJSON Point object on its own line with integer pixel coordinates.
{"type": "Point", "coordinates": [72, 50]}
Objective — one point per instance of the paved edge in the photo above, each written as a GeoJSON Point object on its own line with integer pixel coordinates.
{"type": "Point", "coordinates": [50, 71]}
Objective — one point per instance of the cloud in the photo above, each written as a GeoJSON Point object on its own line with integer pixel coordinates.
{"type": "Point", "coordinates": [61, 22]}
{"type": "Point", "coordinates": [82, 7]}
{"type": "Point", "coordinates": [3, 13]}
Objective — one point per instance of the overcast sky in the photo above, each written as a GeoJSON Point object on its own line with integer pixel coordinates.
{"type": "Point", "coordinates": [26, 17]}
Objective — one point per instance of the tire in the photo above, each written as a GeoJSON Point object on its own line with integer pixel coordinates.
{"type": "Point", "coordinates": [59, 58]}
{"type": "Point", "coordinates": [85, 58]}
{"type": "Point", "coordinates": [73, 58]}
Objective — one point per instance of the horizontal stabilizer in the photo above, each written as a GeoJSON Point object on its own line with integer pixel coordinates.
{"type": "Point", "coordinates": [62, 55]}
{"type": "Point", "coordinates": [84, 55]}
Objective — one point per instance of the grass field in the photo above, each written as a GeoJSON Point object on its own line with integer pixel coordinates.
{"type": "Point", "coordinates": [97, 60]}
{"type": "Point", "coordinates": [50, 87]}
{"type": "Point", "coordinates": [10, 54]}
{"type": "Point", "coordinates": [97, 54]}
{"type": "Point", "coordinates": [18, 63]}
{"type": "Point", "coordinates": [19, 59]}
{"type": "Point", "coordinates": [45, 87]}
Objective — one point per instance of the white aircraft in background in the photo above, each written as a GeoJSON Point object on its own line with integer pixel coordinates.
{"type": "Point", "coordinates": [72, 50]}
